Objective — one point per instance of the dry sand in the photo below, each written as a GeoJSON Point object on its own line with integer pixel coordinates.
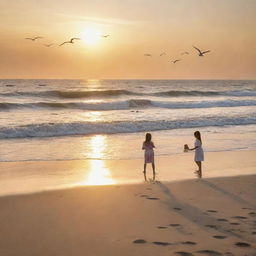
{"type": "Point", "coordinates": [215, 216]}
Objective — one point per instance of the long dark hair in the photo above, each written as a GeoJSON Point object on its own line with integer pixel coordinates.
{"type": "Point", "coordinates": [148, 137]}
{"type": "Point", "coordinates": [197, 134]}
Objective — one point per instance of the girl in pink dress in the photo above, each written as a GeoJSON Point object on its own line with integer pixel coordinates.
{"type": "Point", "coordinates": [148, 146]}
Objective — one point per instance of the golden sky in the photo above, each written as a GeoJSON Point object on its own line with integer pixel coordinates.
{"type": "Point", "coordinates": [136, 27]}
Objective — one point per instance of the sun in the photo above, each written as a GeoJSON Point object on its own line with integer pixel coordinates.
{"type": "Point", "coordinates": [91, 36]}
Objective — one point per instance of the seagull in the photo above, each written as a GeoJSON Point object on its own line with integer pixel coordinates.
{"type": "Point", "coordinates": [105, 36]}
{"type": "Point", "coordinates": [162, 54]}
{"type": "Point", "coordinates": [147, 55]}
{"type": "Point", "coordinates": [34, 38]}
{"type": "Point", "coordinates": [185, 53]}
{"type": "Point", "coordinates": [71, 41]}
{"type": "Point", "coordinates": [201, 54]}
{"type": "Point", "coordinates": [48, 45]}
{"type": "Point", "coordinates": [174, 61]}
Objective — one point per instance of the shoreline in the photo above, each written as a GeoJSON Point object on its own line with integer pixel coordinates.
{"type": "Point", "coordinates": [33, 176]}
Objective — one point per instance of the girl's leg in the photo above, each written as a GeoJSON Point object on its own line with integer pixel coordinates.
{"type": "Point", "coordinates": [199, 168]}
{"type": "Point", "coordinates": [198, 165]}
{"type": "Point", "coordinates": [145, 166]}
{"type": "Point", "coordinates": [154, 172]}
{"type": "Point", "coordinates": [153, 167]}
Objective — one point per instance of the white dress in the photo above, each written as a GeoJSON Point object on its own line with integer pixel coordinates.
{"type": "Point", "coordinates": [199, 152]}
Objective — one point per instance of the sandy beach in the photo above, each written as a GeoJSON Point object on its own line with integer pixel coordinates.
{"type": "Point", "coordinates": [209, 216]}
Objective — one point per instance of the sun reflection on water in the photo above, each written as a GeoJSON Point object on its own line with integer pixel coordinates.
{"type": "Point", "coordinates": [98, 173]}
{"type": "Point", "coordinates": [98, 146]}
{"type": "Point", "coordinates": [92, 116]}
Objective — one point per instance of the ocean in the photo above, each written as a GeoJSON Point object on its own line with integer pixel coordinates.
{"type": "Point", "coordinates": [46, 123]}
{"type": "Point", "coordinates": [64, 119]}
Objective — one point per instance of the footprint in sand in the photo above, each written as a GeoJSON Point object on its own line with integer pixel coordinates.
{"type": "Point", "coordinates": [161, 227]}
{"type": "Point", "coordinates": [239, 217]}
{"type": "Point", "coordinates": [177, 208]}
{"type": "Point", "coordinates": [161, 243]}
{"type": "Point", "coordinates": [189, 243]}
{"type": "Point", "coordinates": [247, 208]}
{"type": "Point", "coordinates": [231, 230]}
{"type": "Point", "coordinates": [229, 253]}
{"type": "Point", "coordinates": [252, 213]}
{"type": "Point", "coordinates": [152, 198]}
{"type": "Point", "coordinates": [211, 211]}
{"type": "Point", "coordinates": [148, 188]}
{"type": "Point", "coordinates": [144, 196]}
{"type": "Point", "coordinates": [234, 223]}
{"type": "Point", "coordinates": [242, 244]}
{"type": "Point", "coordinates": [174, 225]}
{"type": "Point", "coordinates": [224, 220]}
{"type": "Point", "coordinates": [254, 232]}
{"type": "Point", "coordinates": [211, 226]}
{"type": "Point", "coordinates": [184, 253]}
{"type": "Point", "coordinates": [220, 237]}
{"type": "Point", "coordinates": [210, 252]}
{"type": "Point", "coordinates": [139, 241]}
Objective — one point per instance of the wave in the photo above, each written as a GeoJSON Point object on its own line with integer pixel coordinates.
{"type": "Point", "coordinates": [127, 104]}
{"type": "Point", "coordinates": [71, 94]}
{"type": "Point", "coordinates": [87, 128]}
{"type": "Point", "coordinates": [116, 93]}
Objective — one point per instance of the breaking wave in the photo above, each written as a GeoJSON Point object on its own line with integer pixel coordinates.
{"type": "Point", "coordinates": [86, 128]}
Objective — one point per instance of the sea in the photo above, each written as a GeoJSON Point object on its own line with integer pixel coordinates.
{"type": "Point", "coordinates": [58, 120]}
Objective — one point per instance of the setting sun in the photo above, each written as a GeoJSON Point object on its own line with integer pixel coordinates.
{"type": "Point", "coordinates": [91, 36]}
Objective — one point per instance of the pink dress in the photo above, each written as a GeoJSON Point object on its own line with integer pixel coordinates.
{"type": "Point", "coordinates": [149, 152]}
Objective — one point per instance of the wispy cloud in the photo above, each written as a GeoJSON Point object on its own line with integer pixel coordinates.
{"type": "Point", "coordinates": [104, 21]}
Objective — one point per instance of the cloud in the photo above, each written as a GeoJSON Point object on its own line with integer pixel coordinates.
{"type": "Point", "coordinates": [104, 21]}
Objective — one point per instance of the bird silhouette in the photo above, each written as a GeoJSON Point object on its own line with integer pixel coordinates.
{"type": "Point", "coordinates": [162, 54]}
{"type": "Point", "coordinates": [71, 41]}
{"type": "Point", "coordinates": [147, 55]}
{"type": "Point", "coordinates": [105, 36]}
{"type": "Point", "coordinates": [200, 53]}
{"type": "Point", "coordinates": [33, 38]}
{"type": "Point", "coordinates": [174, 61]}
{"type": "Point", "coordinates": [48, 45]}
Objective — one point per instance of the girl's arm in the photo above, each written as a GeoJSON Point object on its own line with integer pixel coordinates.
{"type": "Point", "coordinates": [153, 144]}
{"type": "Point", "coordinates": [143, 146]}
{"type": "Point", "coordinates": [193, 148]}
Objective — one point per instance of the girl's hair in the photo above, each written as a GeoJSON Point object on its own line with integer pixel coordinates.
{"type": "Point", "coordinates": [198, 136]}
{"type": "Point", "coordinates": [148, 137]}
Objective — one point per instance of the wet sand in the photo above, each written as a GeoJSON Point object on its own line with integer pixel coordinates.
{"type": "Point", "coordinates": [210, 216]}
{"type": "Point", "coordinates": [35, 176]}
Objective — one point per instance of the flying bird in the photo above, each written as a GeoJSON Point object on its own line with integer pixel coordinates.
{"type": "Point", "coordinates": [147, 55]}
{"type": "Point", "coordinates": [174, 61]}
{"type": "Point", "coordinates": [105, 36]}
{"type": "Point", "coordinates": [162, 54]}
{"type": "Point", "coordinates": [48, 45]}
{"type": "Point", "coordinates": [33, 38]}
{"type": "Point", "coordinates": [71, 41]}
{"type": "Point", "coordinates": [185, 53]}
{"type": "Point", "coordinates": [200, 53]}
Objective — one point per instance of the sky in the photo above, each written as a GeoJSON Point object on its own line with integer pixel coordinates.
{"type": "Point", "coordinates": [136, 27]}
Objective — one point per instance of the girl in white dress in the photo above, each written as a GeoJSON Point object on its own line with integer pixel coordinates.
{"type": "Point", "coordinates": [199, 152]}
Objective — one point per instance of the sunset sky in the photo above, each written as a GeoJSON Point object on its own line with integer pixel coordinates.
{"type": "Point", "coordinates": [136, 27]}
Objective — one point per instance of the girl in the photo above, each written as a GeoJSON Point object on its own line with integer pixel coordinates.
{"type": "Point", "coordinates": [148, 146]}
{"type": "Point", "coordinates": [199, 152]}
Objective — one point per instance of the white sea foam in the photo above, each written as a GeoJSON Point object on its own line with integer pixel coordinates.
{"type": "Point", "coordinates": [127, 104]}
{"type": "Point", "coordinates": [85, 128]}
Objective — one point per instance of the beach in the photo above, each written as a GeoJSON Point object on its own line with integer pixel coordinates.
{"type": "Point", "coordinates": [209, 216]}
{"type": "Point", "coordinates": [71, 168]}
